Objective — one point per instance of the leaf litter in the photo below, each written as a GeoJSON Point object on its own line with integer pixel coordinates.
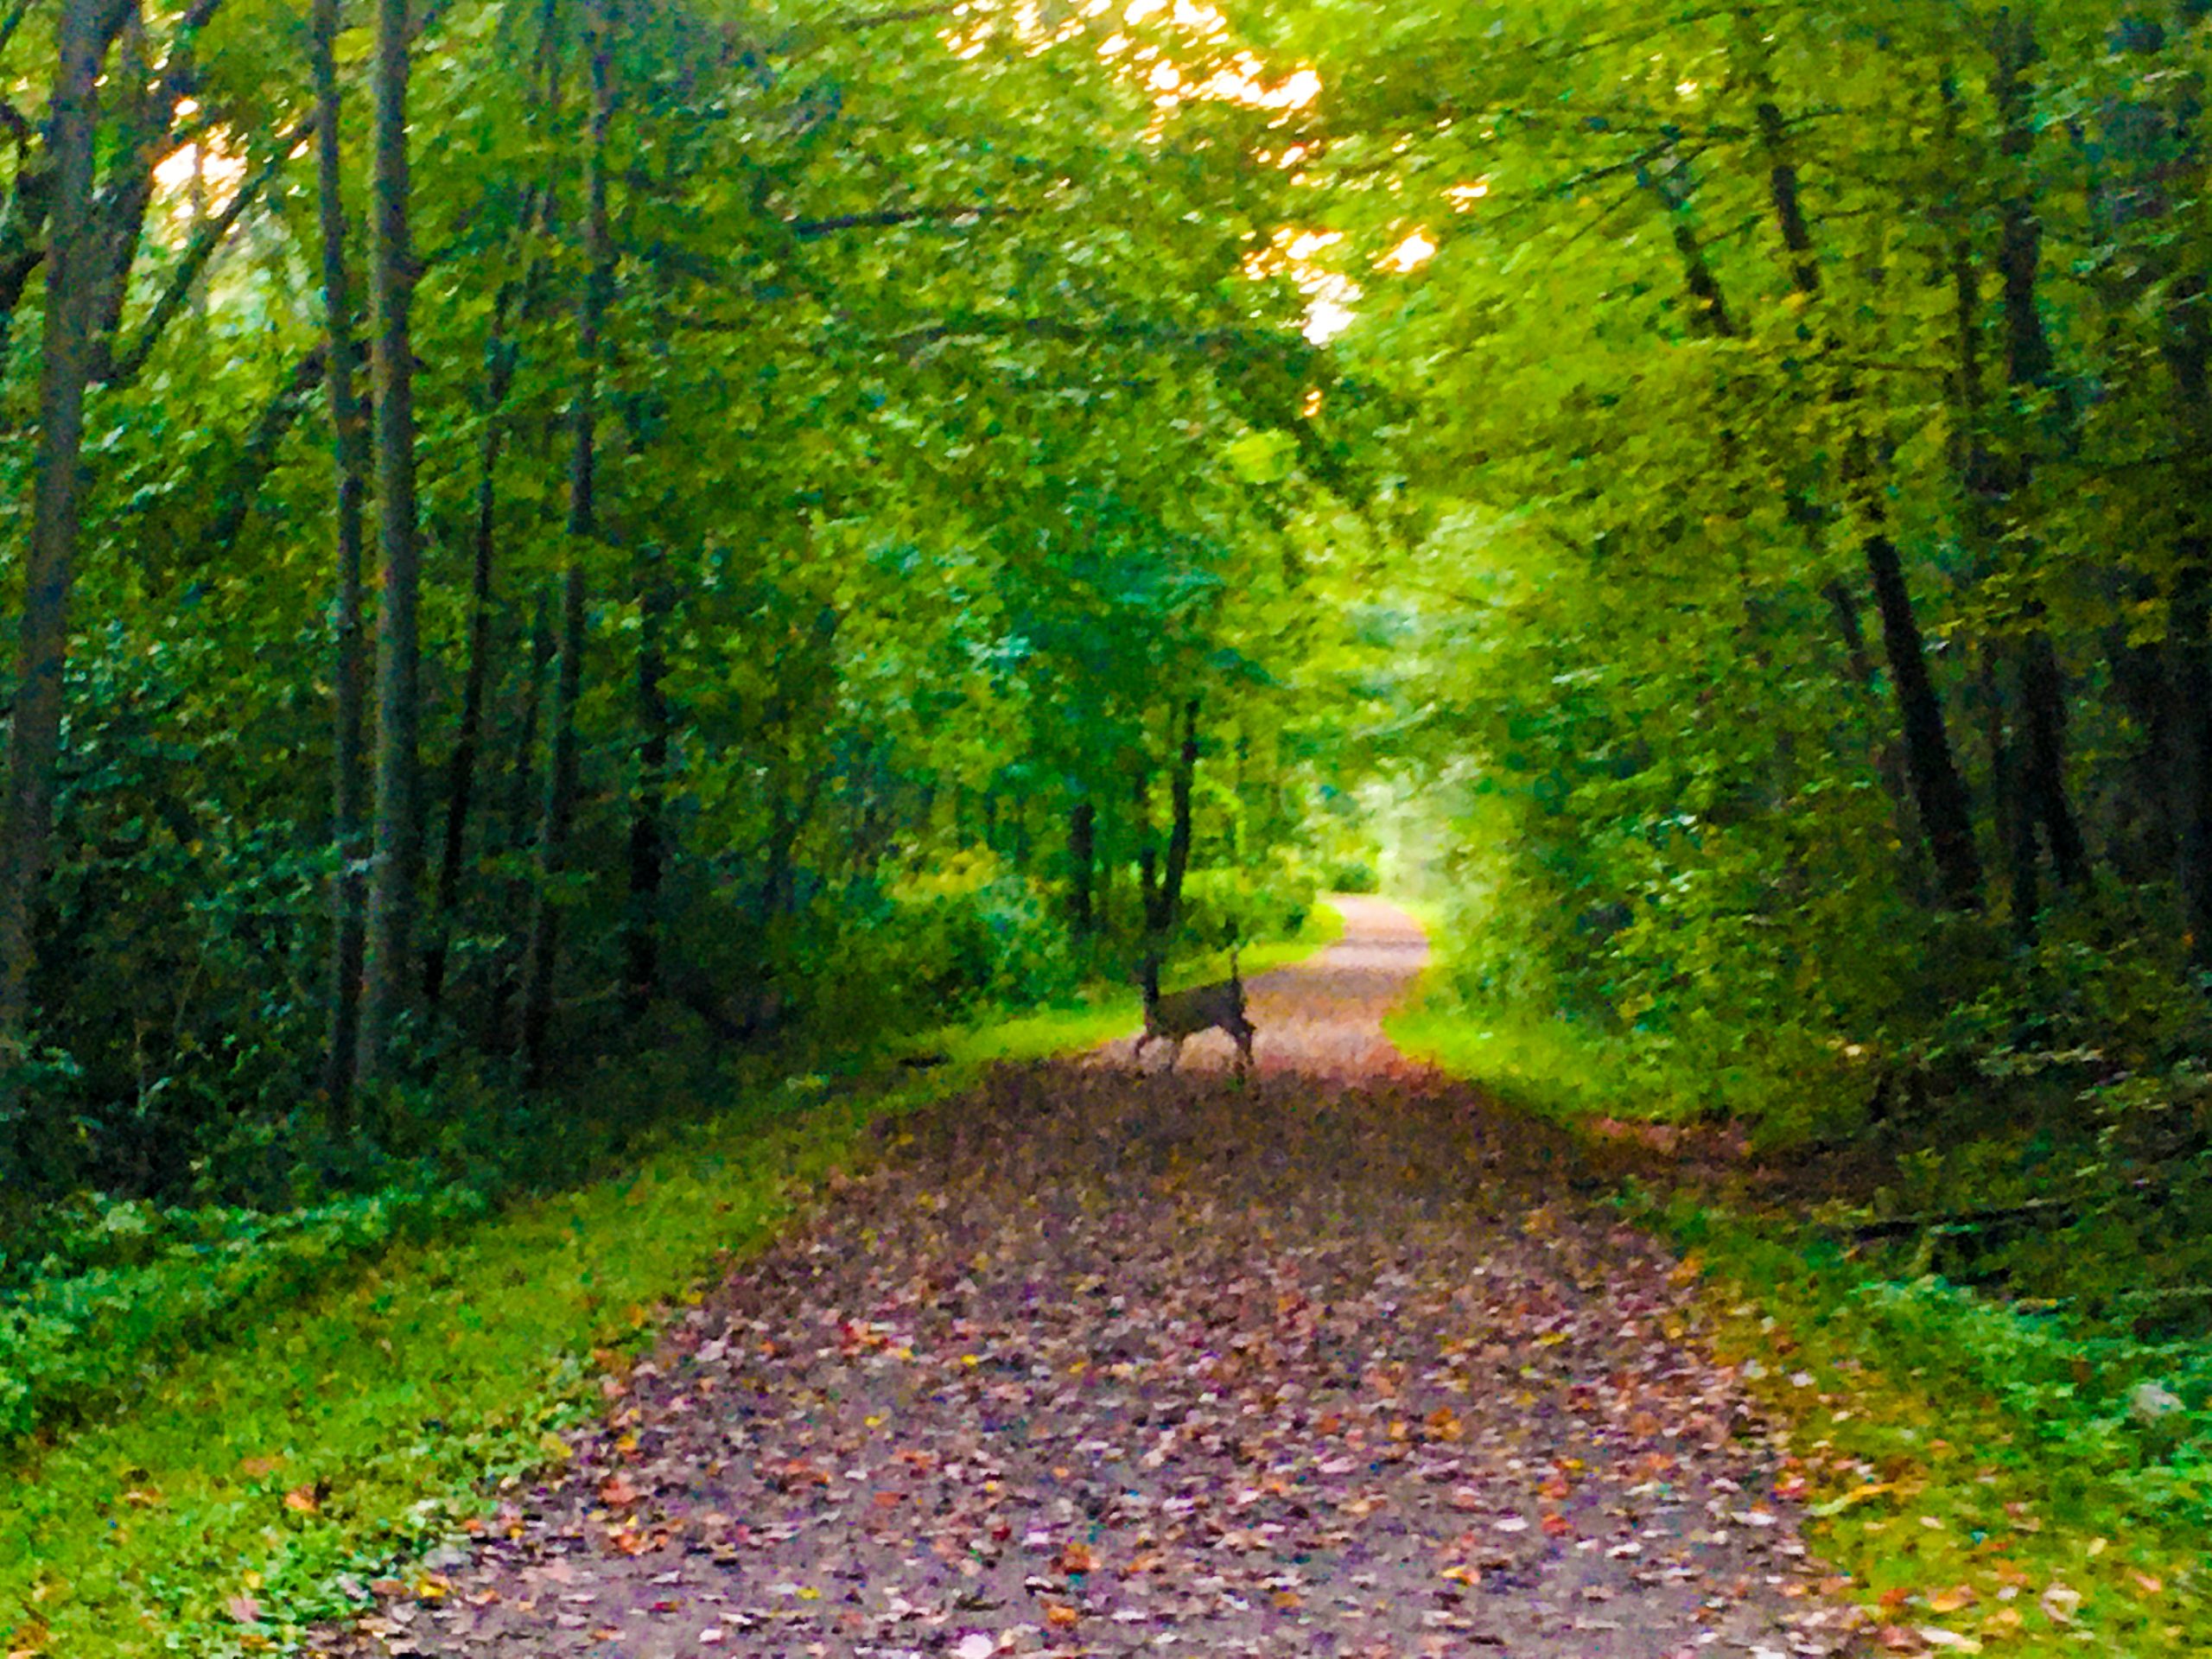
{"type": "Point", "coordinates": [1332, 1362]}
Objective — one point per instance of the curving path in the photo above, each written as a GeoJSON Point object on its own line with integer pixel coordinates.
{"type": "Point", "coordinates": [1323, 1365]}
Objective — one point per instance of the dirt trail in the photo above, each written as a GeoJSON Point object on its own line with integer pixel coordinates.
{"type": "Point", "coordinates": [1326, 1363]}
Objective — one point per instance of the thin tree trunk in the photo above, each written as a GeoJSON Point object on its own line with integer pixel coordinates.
{"type": "Point", "coordinates": [460, 771]}
{"type": "Point", "coordinates": [1083, 860]}
{"type": "Point", "coordinates": [542, 961]}
{"type": "Point", "coordinates": [2030, 363]}
{"type": "Point", "coordinates": [1936, 788]}
{"type": "Point", "coordinates": [1155, 920]}
{"type": "Point", "coordinates": [1783, 180]}
{"type": "Point", "coordinates": [648, 850]}
{"type": "Point", "coordinates": [350, 448]}
{"type": "Point", "coordinates": [395, 852]}
{"type": "Point", "coordinates": [1938, 791]}
{"type": "Point", "coordinates": [2188, 362]}
{"type": "Point", "coordinates": [1675, 188]}
{"type": "Point", "coordinates": [583, 528]}
{"type": "Point", "coordinates": [461, 768]}
{"type": "Point", "coordinates": [2192, 678]}
{"type": "Point", "coordinates": [1889, 765]}
{"type": "Point", "coordinates": [1102, 898]}
{"type": "Point", "coordinates": [34, 737]}
{"type": "Point", "coordinates": [520, 806]}
{"type": "Point", "coordinates": [501, 353]}
{"type": "Point", "coordinates": [1178, 834]}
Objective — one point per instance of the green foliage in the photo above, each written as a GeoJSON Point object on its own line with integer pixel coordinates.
{"type": "Point", "coordinates": [391, 1397]}
{"type": "Point", "coordinates": [2062, 1485]}
{"type": "Point", "coordinates": [73, 1341]}
{"type": "Point", "coordinates": [945, 452]}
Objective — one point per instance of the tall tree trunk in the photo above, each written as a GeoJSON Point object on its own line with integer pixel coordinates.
{"type": "Point", "coordinates": [1938, 791]}
{"type": "Point", "coordinates": [1083, 866]}
{"type": "Point", "coordinates": [1889, 765]}
{"type": "Point", "coordinates": [1179, 833]}
{"type": "Point", "coordinates": [350, 448]}
{"type": "Point", "coordinates": [520, 806]}
{"type": "Point", "coordinates": [648, 849]}
{"type": "Point", "coordinates": [1675, 187]}
{"type": "Point", "coordinates": [583, 528]}
{"type": "Point", "coordinates": [2030, 363]}
{"type": "Point", "coordinates": [395, 849]}
{"type": "Point", "coordinates": [501, 353]}
{"type": "Point", "coordinates": [1148, 891]}
{"type": "Point", "coordinates": [2189, 361]}
{"type": "Point", "coordinates": [542, 959]}
{"type": "Point", "coordinates": [1936, 787]}
{"type": "Point", "coordinates": [461, 770]}
{"type": "Point", "coordinates": [66, 364]}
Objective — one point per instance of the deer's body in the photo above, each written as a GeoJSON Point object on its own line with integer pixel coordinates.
{"type": "Point", "coordinates": [1182, 1014]}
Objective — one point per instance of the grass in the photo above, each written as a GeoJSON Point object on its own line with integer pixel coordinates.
{"type": "Point", "coordinates": [255, 1486]}
{"type": "Point", "coordinates": [1982, 1479]}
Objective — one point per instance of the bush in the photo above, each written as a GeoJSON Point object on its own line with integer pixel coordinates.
{"type": "Point", "coordinates": [149, 1282]}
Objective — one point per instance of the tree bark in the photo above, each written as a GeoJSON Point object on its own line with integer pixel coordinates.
{"type": "Point", "coordinates": [1889, 765]}
{"type": "Point", "coordinates": [500, 355]}
{"type": "Point", "coordinates": [1148, 891]}
{"type": "Point", "coordinates": [461, 768]}
{"type": "Point", "coordinates": [1675, 188]}
{"type": "Point", "coordinates": [1936, 787]}
{"type": "Point", "coordinates": [1939, 793]}
{"type": "Point", "coordinates": [1179, 833]}
{"type": "Point", "coordinates": [648, 848]}
{"type": "Point", "coordinates": [583, 528]}
{"type": "Point", "coordinates": [395, 848]}
{"type": "Point", "coordinates": [521, 790]}
{"type": "Point", "coordinates": [542, 960]}
{"type": "Point", "coordinates": [349, 779]}
{"type": "Point", "coordinates": [2188, 362]}
{"type": "Point", "coordinates": [2030, 363]}
{"type": "Point", "coordinates": [66, 365]}
{"type": "Point", "coordinates": [1083, 863]}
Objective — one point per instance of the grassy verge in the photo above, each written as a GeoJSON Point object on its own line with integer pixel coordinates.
{"type": "Point", "coordinates": [1989, 1482]}
{"type": "Point", "coordinates": [256, 1485]}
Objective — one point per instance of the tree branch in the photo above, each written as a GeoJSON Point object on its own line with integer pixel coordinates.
{"type": "Point", "coordinates": [15, 15]}
{"type": "Point", "coordinates": [1217, 342]}
{"type": "Point", "coordinates": [808, 230]}
{"type": "Point", "coordinates": [256, 457]}
{"type": "Point", "coordinates": [868, 19]}
{"type": "Point", "coordinates": [125, 368]}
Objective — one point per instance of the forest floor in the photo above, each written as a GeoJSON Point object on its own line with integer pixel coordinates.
{"type": "Point", "coordinates": [1328, 1361]}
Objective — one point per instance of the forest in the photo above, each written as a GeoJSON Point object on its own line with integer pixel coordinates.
{"type": "Point", "coordinates": [567, 562]}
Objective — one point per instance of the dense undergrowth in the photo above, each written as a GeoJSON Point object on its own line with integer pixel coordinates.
{"type": "Point", "coordinates": [1986, 1322]}
{"type": "Point", "coordinates": [354, 1397]}
{"type": "Point", "coordinates": [97, 1293]}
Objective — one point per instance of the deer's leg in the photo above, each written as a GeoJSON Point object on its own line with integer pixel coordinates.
{"type": "Point", "coordinates": [1174, 1051]}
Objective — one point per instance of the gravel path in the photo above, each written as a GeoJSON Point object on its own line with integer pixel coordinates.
{"type": "Point", "coordinates": [1328, 1363]}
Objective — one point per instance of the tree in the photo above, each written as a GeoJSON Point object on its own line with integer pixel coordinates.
{"type": "Point", "coordinates": [67, 361]}
{"type": "Point", "coordinates": [395, 848]}
{"type": "Point", "coordinates": [544, 957]}
{"type": "Point", "coordinates": [350, 451]}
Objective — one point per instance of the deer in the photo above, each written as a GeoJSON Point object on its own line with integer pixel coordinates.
{"type": "Point", "coordinates": [1181, 1015]}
